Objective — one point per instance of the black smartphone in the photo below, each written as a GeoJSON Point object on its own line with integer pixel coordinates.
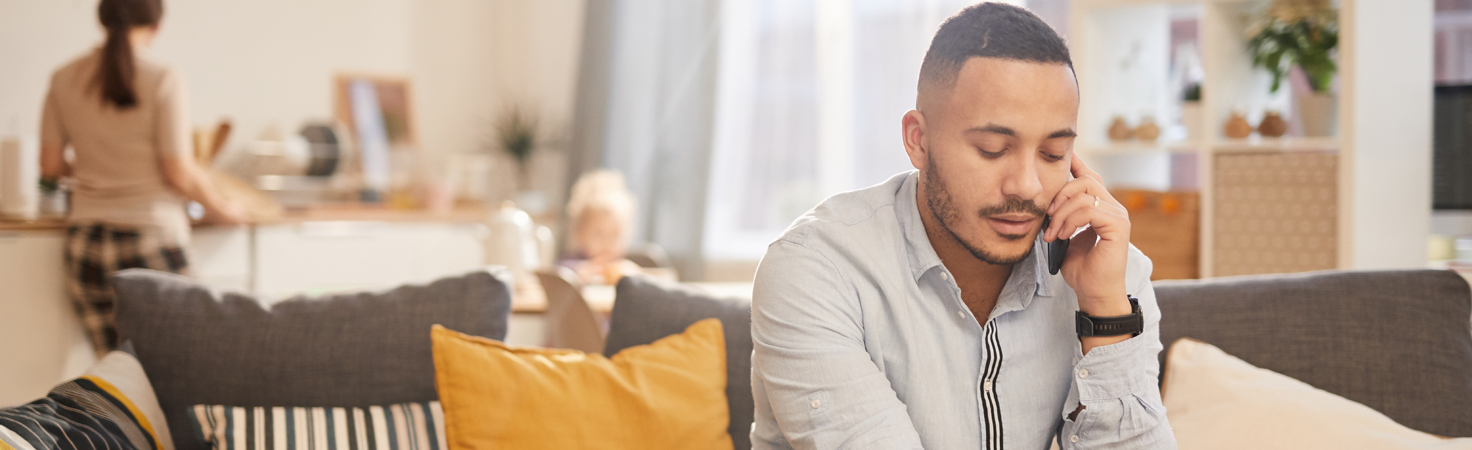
{"type": "Point", "coordinates": [1057, 250]}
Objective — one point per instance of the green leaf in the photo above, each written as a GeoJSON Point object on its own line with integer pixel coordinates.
{"type": "Point", "coordinates": [1307, 43]}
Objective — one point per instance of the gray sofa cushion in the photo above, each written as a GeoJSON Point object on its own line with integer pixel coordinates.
{"type": "Point", "coordinates": [645, 310]}
{"type": "Point", "coordinates": [1397, 341]}
{"type": "Point", "coordinates": [205, 347]}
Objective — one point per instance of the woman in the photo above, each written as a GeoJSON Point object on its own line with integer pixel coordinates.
{"type": "Point", "coordinates": [124, 115]}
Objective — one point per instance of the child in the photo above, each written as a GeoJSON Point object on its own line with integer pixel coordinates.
{"type": "Point", "coordinates": [600, 215]}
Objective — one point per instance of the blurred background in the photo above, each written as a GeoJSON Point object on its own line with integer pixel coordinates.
{"type": "Point", "coordinates": [380, 142]}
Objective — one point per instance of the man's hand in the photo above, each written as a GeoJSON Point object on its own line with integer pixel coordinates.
{"type": "Point", "coordinates": [1095, 265]}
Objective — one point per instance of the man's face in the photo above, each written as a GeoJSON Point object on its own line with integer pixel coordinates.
{"type": "Point", "coordinates": [998, 148]}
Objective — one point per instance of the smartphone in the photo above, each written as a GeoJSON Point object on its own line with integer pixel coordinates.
{"type": "Point", "coordinates": [1057, 250]}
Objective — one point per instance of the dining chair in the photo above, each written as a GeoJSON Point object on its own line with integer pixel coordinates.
{"type": "Point", "coordinates": [570, 322]}
{"type": "Point", "coordinates": [649, 255]}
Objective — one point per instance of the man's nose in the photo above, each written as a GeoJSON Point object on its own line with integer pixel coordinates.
{"type": "Point", "coordinates": [1022, 180]}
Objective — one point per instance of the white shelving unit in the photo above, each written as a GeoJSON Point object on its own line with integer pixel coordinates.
{"type": "Point", "coordinates": [1122, 56]}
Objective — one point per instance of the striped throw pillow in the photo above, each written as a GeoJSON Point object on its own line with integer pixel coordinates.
{"type": "Point", "coordinates": [403, 426]}
{"type": "Point", "coordinates": [112, 406]}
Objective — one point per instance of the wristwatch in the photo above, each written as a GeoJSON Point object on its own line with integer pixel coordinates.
{"type": "Point", "coordinates": [1132, 324]}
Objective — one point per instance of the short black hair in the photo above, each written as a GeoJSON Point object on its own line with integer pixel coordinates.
{"type": "Point", "coordinates": [989, 30]}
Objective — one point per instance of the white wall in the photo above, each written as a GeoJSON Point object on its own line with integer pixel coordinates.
{"type": "Point", "coordinates": [473, 58]}
{"type": "Point", "coordinates": [1391, 126]}
{"type": "Point", "coordinates": [269, 63]}
{"type": "Point", "coordinates": [272, 62]}
{"type": "Point", "coordinates": [259, 62]}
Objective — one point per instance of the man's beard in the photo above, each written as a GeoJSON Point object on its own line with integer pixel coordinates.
{"type": "Point", "coordinates": [943, 209]}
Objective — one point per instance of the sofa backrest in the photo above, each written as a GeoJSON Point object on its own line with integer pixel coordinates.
{"type": "Point", "coordinates": [201, 346]}
{"type": "Point", "coordinates": [646, 309]}
{"type": "Point", "coordinates": [1397, 341]}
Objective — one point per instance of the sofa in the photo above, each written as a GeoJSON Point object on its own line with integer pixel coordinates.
{"type": "Point", "coordinates": [201, 346]}
{"type": "Point", "coordinates": [1397, 341]}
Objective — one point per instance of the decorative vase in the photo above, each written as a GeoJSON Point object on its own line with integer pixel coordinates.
{"type": "Point", "coordinates": [54, 204]}
{"type": "Point", "coordinates": [1272, 125]}
{"type": "Point", "coordinates": [1318, 114]}
{"type": "Point", "coordinates": [1237, 126]}
{"type": "Point", "coordinates": [1148, 130]}
{"type": "Point", "coordinates": [20, 175]}
{"type": "Point", "coordinates": [1191, 119]}
{"type": "Point", "coordinates": [1119, 130]}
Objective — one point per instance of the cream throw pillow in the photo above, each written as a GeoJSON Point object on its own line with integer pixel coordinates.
{"type": "Point", "coordinates": [1215, 400]}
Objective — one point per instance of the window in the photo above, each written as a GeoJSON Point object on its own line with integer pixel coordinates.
{"type": "Point", "coordinates": [809, 99]}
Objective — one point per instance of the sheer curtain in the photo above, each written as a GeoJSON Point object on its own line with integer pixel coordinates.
{"type": "Point", "coordinates": [730, 118]}
{"type": "Point", "coordinates": [809, 96]}
{"type": "Point", "coordinates": [646, 96]}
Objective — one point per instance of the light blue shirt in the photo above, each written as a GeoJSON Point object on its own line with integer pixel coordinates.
{"type": "Point", "coordinates": [862, 341]}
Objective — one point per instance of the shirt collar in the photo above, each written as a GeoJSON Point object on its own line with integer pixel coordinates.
{"type": "Point", "coordinates": [922, 256]}
{"type": "Point", "coordinates": [1030, 272]}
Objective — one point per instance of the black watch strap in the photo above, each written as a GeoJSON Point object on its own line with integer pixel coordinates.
{"type": "Point", "coordinates": [1132, 324]}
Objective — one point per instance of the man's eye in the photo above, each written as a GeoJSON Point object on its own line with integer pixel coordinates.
{"type": "Point", "coordinates": [990, 155]}
{"type": "Point", "coordinates": [1052, 157]}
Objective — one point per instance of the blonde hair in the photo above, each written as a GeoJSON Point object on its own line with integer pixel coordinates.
{"type": "Point", "coordinates": [602, 190]}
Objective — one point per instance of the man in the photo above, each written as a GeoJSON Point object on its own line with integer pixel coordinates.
{"type": "Point", "coordinates": [921, 312]}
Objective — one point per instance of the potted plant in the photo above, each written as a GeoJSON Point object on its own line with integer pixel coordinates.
{"type": "Point", "coordinates": [1191, 115]}
{"type": "Point", "coordinates": [518, 134]}
{"type": "Point", "coordinates": [1301, 33]}
{"type": "Point", "coordinates": [55, 198]}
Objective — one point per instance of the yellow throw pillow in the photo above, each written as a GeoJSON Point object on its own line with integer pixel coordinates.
{"type": "Point", "coordinates": [670, 394]}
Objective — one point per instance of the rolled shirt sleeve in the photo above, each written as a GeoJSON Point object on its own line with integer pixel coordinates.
{"type": "Point", "coordinates": [810, 363]}
{"type": "Point", "coordinates": [174, 134]}
{"type": "Point", "coordinates": [1117, 386]}
{"type": "Point", "coordinates": [53, 131]}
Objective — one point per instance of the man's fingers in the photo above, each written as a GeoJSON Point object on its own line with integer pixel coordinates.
{"type": "Point", "coordinates": [1069, 191]}
{"type": "Point", "coordinates": [1067, 217]}
{"type": "Point", "coordinates": [1080, 211]}
{"type": "Point", "coordinates": [1081, 170]}
{"type": "Point", "coordinates": [1088, 187]}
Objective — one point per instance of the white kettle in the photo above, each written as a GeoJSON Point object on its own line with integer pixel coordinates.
{"type": "Point", "coordinates": [517, 243]}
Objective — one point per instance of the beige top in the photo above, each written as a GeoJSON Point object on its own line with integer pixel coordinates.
{"type": "Point", "coordinates": [119, 179]}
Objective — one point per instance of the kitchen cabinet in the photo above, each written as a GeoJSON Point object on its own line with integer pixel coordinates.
{"type": "Point", "coordinates": [220, 257]}
{"type": "Point", "coordinates": [41, 341]}
{"type": "Point", "coordinates": [317, 257]}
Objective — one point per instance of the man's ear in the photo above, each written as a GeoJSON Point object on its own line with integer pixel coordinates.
{"type": "Point", "coordinates": [913, 132]}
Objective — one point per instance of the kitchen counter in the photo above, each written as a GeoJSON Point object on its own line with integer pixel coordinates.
{"type": "Point", "coordinates": [39, 224]}
{"type": "Point", "coordinates": [324, 213]}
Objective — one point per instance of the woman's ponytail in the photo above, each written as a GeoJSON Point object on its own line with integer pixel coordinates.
{"type": "Point", "coordinates": [115, 75]}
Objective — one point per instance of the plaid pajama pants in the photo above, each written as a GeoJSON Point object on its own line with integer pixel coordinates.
{"type": "Point", "coordinates": [93, 252]}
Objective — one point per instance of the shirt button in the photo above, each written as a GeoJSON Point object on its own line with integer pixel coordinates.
{"type": "Point", "coordinates": [986, 385]}
{"type": "Point", "coordinates": [961, 314]}
{"type": "Point", "coordinates": [1083, 373]}
{"type": "Point", "coordinates": [1073, 438]}
{"type": "Point", "coordinates": [945, 276]}
{"type": "Point", "coordinates": [816, 403]}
